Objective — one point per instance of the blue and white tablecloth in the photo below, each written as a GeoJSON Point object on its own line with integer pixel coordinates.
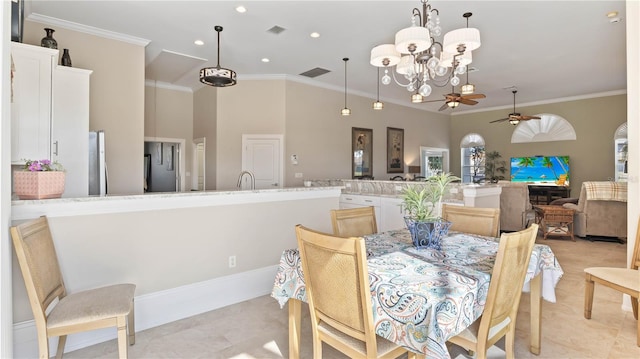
{"type": "Point", "coordinates": [422, 297]}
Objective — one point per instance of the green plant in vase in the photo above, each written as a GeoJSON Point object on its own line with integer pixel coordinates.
{"type": "Point", "coordinates": [494, 166]}
{"type": "Point", "coordinates": [422, 204]}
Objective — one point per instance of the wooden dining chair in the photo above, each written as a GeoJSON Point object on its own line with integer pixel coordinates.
{"type": "Point", "coordinates": [105, 307]}
{"type": "Point", "coordinates": [625, 280]}
{"type": "Point", "coordinates": [354, 222]}
{"type": "Point", "coordinates": [337, 284]}
{"type": "Point", "coordinates": [475, 220]}
{"type": "Point", "coordinates": [503, 297]}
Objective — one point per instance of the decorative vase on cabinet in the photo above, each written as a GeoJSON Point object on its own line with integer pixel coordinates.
{"type": "Point", "coordinates": [49, 41]}
{"type": "Point", "coordinates": [39, 184]}
{"type": "Point", "coordinates": [66, 58]}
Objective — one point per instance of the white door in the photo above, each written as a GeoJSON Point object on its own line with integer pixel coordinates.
{"type": "Point", "coordinates": [262, 155]}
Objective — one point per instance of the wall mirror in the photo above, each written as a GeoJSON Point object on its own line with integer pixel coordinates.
{"type": "Point", "coordinates": [361, 153]}
{"type": "Point", "coordinates": [433, 161]}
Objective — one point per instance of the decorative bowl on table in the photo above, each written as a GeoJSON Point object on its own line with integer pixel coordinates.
{"type": "Point", "coordinates": [427, 233]}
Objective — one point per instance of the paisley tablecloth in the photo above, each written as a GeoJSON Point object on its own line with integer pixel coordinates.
{"type": "Point", "coordinates": [422, 297]}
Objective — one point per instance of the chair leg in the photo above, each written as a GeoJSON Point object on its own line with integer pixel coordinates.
{"type": "Point", "coordinates": [588, 296]}
{"type": "Point", "coordinates": [62, 340]}
{"type": "Point", "coordinates": [123, 348]}
{"type": "Point", "coordinates": [131, 325]}
{"type": "Point", "coordinates": [634, 306]}
{"type": "Point", "coordinates": [509, 342]}
{"type": "Point", "coordinates": [43, 345]}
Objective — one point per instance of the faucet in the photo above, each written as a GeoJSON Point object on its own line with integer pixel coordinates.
{"type": "Point", "coordinates": [253, 179]}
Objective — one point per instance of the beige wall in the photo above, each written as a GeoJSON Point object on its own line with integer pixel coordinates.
{"type": "Point", "coordinates": [205, 117]}
{"type": "Point", "coordinates": [591, 154]}
{"type": "Point", "coordinates": [166, 249]}
{"type": "Point", "coordinates": [321, 137]}
{"type": "Point", "coordinates": [116, 99]}
{"type": "Point", "coordinates": [169, 114]}
{"type": "Point", "coordinates": [250, 107]}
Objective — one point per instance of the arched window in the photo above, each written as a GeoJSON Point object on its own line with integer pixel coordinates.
{"type": "Point", "coordinates": [620, 141]}
{"type": "Point", "coordinates": [549, 127]}
{"type": "Point", "coordinates": [472, 158]}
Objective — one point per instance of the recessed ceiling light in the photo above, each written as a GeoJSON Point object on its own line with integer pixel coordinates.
{"type": "Point", "coordinates": [264, 59]}
{"type": "Point", "coordinates": [613, 17]}
{"type": "Point", "coordinates": [241, 9]}
{"type": "Point", "coordinates": [611, 14]}
{"type": "Point", "coordinates": [314, 35]}
{"type": "Point", "coordinates": [199, 42]}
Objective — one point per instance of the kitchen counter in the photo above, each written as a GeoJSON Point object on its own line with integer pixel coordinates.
{"type": "Point", "coordinates": [60, 207]}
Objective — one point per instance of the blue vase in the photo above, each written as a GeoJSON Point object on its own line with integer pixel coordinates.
{"type": "Point", "coordinates": [427, 234]}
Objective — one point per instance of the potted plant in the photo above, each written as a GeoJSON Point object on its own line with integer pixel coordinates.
{"type": "Point", "coordinates": [422, 205]}
{"type": "Point", "coordinates": [494, 167]}
{"type": "Point", "coordinates": [39, 179]}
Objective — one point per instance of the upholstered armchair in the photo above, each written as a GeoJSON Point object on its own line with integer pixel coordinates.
{"type": "Point", "coordinates": [601, 210]}
{"type": "Point", "coordinates": [515, 208]}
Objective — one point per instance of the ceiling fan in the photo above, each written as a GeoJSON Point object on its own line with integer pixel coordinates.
{"type": "Point", "coordinates": [515, 117]}
{"type": "Point", "coordinates": [453, 99]}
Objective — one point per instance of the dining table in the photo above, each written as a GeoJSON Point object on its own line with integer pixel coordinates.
{"type": "Point", "coordinates": [421, 297]}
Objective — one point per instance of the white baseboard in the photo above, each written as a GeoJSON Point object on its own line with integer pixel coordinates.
{"type": "Point", "coordinates": [154, 309]}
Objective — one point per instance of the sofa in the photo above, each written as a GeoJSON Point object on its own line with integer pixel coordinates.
{"type": "Point", "coordinates": [601, 210]}
{"type": "Point", "coordinates": [516, 211]}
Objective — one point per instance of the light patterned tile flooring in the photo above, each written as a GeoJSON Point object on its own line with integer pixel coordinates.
{"type": "Point", "coordinates": [258, 328]}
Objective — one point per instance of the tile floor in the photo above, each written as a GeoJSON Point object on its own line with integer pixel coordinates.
{"type": "Point", "coordinates": [258, 328]}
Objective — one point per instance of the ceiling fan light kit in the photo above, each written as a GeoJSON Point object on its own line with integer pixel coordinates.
{"type": "Point", "coordinates": [514, 117]}
{"type": "Point", "coordinates": [422, 61]}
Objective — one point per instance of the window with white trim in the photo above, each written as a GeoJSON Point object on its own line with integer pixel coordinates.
{"type": "Point", "coordinates": [472, 158]}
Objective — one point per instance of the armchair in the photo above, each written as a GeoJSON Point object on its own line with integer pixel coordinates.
{"type": "Point", "coordinates": [601, 210]}
{"type": "Point", "coordinates": [515, 208]}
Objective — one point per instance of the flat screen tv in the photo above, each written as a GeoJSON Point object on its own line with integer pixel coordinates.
{"type": "Point", "coordinates": [540, 170]}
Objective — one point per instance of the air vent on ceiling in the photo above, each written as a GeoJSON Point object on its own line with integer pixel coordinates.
{"type": "Point", "coordinates": [315, 72]}
{"type": "Point", "coordinates": [276, 30]}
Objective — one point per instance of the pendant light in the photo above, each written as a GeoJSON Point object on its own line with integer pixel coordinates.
{"type": "Point", "coordinates": [345, 111]}
{"type": "Point", "coordinates": [378, 105]}
{"type": "Point", "coordinates": [467, 89]}
{"type": "Point", "coordinates": [218, 76]}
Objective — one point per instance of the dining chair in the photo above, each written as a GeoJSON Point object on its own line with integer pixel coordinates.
{"type": "Point", "coordinates": [480, 221]}
{"type": "Point", "coordinates": [625, 280]}
{"type": "Point", "coordinates": [354, 222]}
{"type": "Point", "coordinates": [337, 284]}
{"type": "Point", "coordinates": [110, 306]}
{"type": "Point", "coordinates": [503, 297]}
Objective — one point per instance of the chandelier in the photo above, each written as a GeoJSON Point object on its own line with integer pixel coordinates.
{"type": "Point", "coordinates": [421, 59]}
{"type": "Point", "coordinates": [218, 76]}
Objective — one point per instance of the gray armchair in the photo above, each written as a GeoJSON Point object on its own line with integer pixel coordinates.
{"type": "Point", "coordinates": [601, 210]}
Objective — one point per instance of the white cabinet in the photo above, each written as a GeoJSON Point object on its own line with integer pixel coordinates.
{"type": "Point", "coordinates": [388, 211]}
{"type": "Point", "coordinates": [70, 127]}
{"type": "Point", "coordinates": [31, 102]}
{"type": "Point", "coordinates": [50, 114]}
{"type": "Point", "coordinates": [392, 214]}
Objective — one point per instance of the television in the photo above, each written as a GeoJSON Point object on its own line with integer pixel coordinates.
{"type": "Point", "coordinates": [550, 170]}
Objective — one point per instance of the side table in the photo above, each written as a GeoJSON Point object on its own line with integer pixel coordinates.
{"type": "Point", "coordinates": [555, 220]}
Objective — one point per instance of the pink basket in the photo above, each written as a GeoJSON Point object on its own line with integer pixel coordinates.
{"type": "Point", "coordinates": [38, 185]}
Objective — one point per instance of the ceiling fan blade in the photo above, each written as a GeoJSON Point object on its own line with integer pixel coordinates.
{"type": "Point", "coordinates": [474, 96]}
{"type": "Point", "coordinates": [527, 118]}
{"type": "Point", "coordinates": [442, 99]}
{"type": "Point", "coordinates": [500, 120]}
{"type": "Point", "coordinates": [467, 101]}
{"type": "Point", "coordinates": [444, 107]}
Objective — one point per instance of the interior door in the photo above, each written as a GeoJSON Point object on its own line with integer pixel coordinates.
{"type": "Point", "coordinates": [262, 155]}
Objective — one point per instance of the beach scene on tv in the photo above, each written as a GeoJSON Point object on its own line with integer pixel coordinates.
{"type": "Point", "coordinates": [541, 169]}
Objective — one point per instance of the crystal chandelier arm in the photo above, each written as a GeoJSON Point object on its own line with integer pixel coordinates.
{"type": "Point", "coordinates": [393, 73]}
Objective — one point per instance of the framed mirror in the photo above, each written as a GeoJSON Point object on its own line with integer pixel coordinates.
{"type": "Point", "coordinates": [361, 153]}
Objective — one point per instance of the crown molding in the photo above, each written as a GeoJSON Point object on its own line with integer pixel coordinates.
{"type": "Point", "coordinates": [47, 20]}
{"type": "Point", "coordinates": [546, 102]}
{"type": "Point", "coordinates": [167, 86]}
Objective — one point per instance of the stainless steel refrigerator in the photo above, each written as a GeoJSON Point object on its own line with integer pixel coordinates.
{"type": "Point", "coordinates": [97, 164]}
